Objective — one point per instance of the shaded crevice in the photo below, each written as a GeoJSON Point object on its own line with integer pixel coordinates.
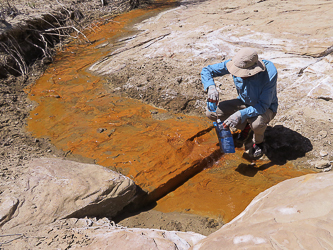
{"type": "Point", "coordinates": [201, 133]}
{"type": "Point", "coordinates": [328, 51]}
{"type": "Point", "coordinates": [320, 57]}
{"type": "Point", "coordinates": [9, 214]}
{"type": "Point", "coordinates": [98, 209]}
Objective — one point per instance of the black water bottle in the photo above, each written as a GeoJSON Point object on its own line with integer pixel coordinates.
{"type": "Point", "coordinates": [225, 137]}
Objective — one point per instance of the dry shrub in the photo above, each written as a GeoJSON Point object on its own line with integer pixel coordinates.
{"type": "Point", "coordinates": [34, 39]}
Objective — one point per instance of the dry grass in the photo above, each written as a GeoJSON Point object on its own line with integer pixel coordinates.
{"type": "Point", "coordinates": [29, 29]}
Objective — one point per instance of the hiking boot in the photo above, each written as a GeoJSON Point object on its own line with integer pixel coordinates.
{"type": "Point", "coordinates": [242, 136]}
{"type": "Point", "coordinates": [258, 150]}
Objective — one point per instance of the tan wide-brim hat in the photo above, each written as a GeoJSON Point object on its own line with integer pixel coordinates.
{"type": "Point", "coordinates": [245, 63]}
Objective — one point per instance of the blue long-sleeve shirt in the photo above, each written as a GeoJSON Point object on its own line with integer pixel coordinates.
{"type": "Point", "coordinates": [258, 92]}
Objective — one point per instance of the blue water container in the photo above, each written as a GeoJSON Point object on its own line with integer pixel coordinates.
{"type": "Point", "coordinates": [225, 138]}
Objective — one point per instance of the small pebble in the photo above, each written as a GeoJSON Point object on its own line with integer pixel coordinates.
{"type": "Point", "coordinates": [322, 164]}
{"type": "Point", "coordinates": [327, 169]}
{"type": "Point", "coordinates": [101, 130]}
{"type": "Point", "coordinates": [179, 79]}
{"type": "Point", "coordinates": [322, 134]}
{"type": "Point", "coordinates": [111, 132]}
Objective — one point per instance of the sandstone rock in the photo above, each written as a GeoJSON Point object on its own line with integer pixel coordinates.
{"type": "Point", "coordinates": [137, 238]}
{"type": "Point", "coordinates": [101, 130]}
{"type": "Point", "coordinates": [323, 153]}
{"type": "Point", "coordinates": [100, 234]}
{"type": "Point", "coordinates": [327, 169]}
{"type": "Point", "coordinates": [7, 208]}
{"type": "Point", "coordinates": [322, 134]}
{"type": "Point", "coordinates": [52, 189]}
{"type": "Point", "coordinates": [322, 164]}
{"type": "Point", "coordinates": [295, 214]}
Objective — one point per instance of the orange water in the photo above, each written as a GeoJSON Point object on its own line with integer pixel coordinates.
{"type": "Point", "coordinates": [176, 161]}
{"type": "Point", "coordinates": [224, 190]}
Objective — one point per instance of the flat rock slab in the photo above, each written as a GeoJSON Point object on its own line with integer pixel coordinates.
{"type": "Point", "coordinates": [52, 189]}
{"type": "Point", "coordinates": [294, 214]}
{"type": "Point", "coordinates": [98, 234]}
{"type": "Point", "coordinates": [142, 239]}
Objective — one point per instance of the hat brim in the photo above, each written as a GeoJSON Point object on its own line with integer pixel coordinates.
{"type": "Point", "coordinates": [239, 72]}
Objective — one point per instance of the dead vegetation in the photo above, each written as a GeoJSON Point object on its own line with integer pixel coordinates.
{"type": "Point", "coordinates": [29, 36]}
{"type": "Point", "coordinates": [30, 30]}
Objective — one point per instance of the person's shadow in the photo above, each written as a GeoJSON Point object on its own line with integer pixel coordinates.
{"type": "Point", "coordinates": [282, 145]}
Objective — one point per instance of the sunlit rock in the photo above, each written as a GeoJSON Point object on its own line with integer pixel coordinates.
{"type": "Point", "coordinates": [137, 238]}
{"type": "Point", "coordinates": [100, 234]}
{"type": "Point", "coordinates": [52, 189]}
{"type": "Point", "coordinates": [293, 214]}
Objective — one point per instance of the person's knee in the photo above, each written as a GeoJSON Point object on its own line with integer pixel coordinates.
{"type": "Point", "coordinates": [259, 129]}
{"type": "Point", "coordinates": [258, 125]}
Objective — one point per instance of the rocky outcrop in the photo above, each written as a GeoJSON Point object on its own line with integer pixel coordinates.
{"type": "Point", "coordinates": [52, 189]}
{"type": "Point", "coordinates": [55, 202]}
{"type": "Point", "coordinates": [142, 239]}
{"type": "Point", "coordinates": [295, 214]}
{"type": "Point", "coordinates": [99, 234]}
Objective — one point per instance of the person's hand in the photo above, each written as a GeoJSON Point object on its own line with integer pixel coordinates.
{"type": "Point", "coordinates": [233, 120]}
{"type": "Point", "coordinates": [213, 94]}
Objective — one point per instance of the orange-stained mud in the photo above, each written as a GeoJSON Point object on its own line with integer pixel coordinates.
{"type": "Point", "coordinates": [224, 190]}
{"type": "Point", "coordinates": [160, 152]}
{"type": "Point", "coordinates": [79, 116]}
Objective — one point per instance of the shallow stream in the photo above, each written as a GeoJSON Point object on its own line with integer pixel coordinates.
{"type": "Point", "coordinates": [175, 158]}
